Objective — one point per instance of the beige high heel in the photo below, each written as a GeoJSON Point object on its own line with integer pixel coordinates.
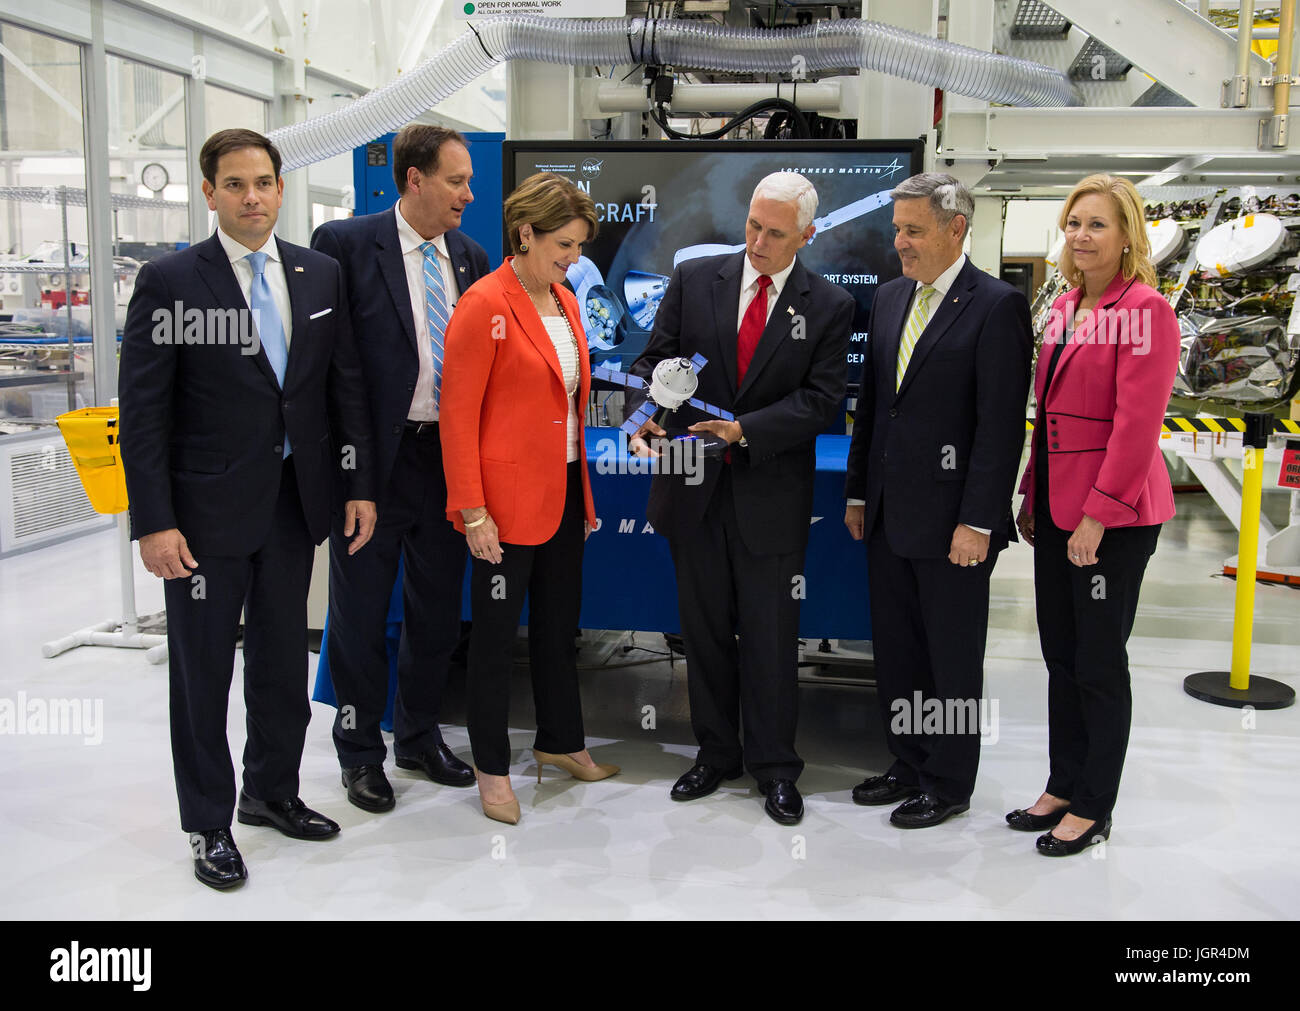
{"type": "Point", "coordinates": [586, 773]}
{"type": "Point", "coordinates": [507, 812]}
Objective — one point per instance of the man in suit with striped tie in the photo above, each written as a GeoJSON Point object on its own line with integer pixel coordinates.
{"type": "Point", "coordinates": [404, 269]}
{"type": "Point", "coordinates": [937, 440]}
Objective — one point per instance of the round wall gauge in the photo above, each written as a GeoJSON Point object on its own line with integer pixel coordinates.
{"type": "Point", "coordinates": [154, 177]}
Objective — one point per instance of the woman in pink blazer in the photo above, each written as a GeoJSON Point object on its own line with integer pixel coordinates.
{"type": "Point", "coordinates": [1096, 491]}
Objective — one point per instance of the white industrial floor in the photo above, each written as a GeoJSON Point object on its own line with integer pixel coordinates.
{"type": "Point", "coordinates": [1206, 825]}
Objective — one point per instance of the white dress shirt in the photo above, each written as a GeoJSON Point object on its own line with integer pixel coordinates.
{"type": "Point", "coordinates": [273, 271]}
{"type": "Point", "coordinates": [422, 408]}
{"type": "Point", "coordinates": [749, 288]}
{"type": "Point", "coordinates": [940, 285]}
{"type": "Point", "coordinates": [558, 330]}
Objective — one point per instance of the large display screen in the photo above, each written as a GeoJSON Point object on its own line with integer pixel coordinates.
{"type": "Point", "coordinates": [660, 203]}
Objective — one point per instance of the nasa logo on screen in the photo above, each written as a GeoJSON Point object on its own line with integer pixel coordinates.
{"type": "Point", "coordinates": [591, 167]}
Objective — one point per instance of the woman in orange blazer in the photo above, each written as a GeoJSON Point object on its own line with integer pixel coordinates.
{"type": "Point", "coordinates": [1096, 491]}
{"type": "Point", "coordinates": [515, 384]}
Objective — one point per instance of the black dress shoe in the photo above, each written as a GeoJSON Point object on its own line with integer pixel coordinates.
{"type": "Point", "coordinates": [292, 817]}
{"type": "Point", "coordinates": [1050, 846]}
{"type": "Point", "coordinates": [701, 780]}
{"type": "Point", "coordinates": [217, 862]}
{"type": "Point", "coordinates": [368, 788]}
{"type": "Point", "coordinates": [924, 811]}
{"type": "Point", "coordinates": [440, 765]}
{"type": "Point", "coordinates": [884, 789]}
{"type": "Point", "coordinates": [784, 805]}
{"type": "Point", "coordinates": [1022, 821]}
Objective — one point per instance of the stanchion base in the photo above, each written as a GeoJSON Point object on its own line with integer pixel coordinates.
{"type": "Point", "coordinates": [1263, 693]}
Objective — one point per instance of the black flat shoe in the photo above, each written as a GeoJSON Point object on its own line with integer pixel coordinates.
{"type": "Point", "coordinates": [701, 780]}
{"type": "Point", "coordinates": [1022, 821]}
{"type": "Point", "coordinates": [884, 789]}
{"type": "Point", "coordinates": [440, 765]}
{"type": "Point", "coordinates": [784, 805]}
{"type": "Point", "coordinates": [368, 788]}
{"type": "Point", "coordinates": [1050, 846]}
{"type": "Point", "coordinates": [292, 817]}
{"type": "Point", "coordinates": [924, 811]}
{"type": "Point", "coordinates": [217, 862]}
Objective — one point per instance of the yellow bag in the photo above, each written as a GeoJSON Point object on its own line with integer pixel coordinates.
{"type": "Point", "coordinates": [91, 435]}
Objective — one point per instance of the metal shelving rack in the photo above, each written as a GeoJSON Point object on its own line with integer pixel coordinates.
{"type": "Point", "coordinates": [65, 197]}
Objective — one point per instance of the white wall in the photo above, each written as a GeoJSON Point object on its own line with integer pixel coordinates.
{"type": "Point", "coordinates": [1030, 228]}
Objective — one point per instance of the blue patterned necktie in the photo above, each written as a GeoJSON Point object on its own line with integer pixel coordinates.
{"type": "Point", "coordinates": [270, 327]}
{"type": "Point", "coordinates": [435, 312]}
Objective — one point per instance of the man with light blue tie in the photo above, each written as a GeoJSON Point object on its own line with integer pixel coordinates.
{"type": "Point", "coordinates": [239, 416]}
{"type": "Point", "coordinates": [405, 268]}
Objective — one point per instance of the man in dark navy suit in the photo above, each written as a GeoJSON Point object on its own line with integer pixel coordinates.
{"type": "Point", "coordinates": [937, 439]}
{"type": "Point", "coordinates": [776, 337]}
{"type": "Point", "coordinates": [405, 268]}
{"type": "Point", "coordinates": [240, 408]}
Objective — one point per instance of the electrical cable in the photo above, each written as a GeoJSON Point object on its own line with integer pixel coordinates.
{"type": "Point", "coordinates": [796, 117]}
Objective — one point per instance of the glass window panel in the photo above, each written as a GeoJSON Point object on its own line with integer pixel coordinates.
{"type": "Point", "coordinates": [321, 213]}
{"type": "Point", "coordinates": [229, 110]}
{"type": "Point", "coordinates": [44, 276]}
{"type": "Point", "coordinates": [148, 163]}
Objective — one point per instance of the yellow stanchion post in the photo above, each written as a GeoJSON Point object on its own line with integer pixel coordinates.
{"type": "Point", "coordinates": [1243, 617]}
{"type": "Point", "coordinates": [1236, 687]}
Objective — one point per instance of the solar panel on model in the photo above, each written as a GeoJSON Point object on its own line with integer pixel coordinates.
{"type": "Point", "coordinates": [638, 418]}
{"type": "Point", "coordinates": [617, 378]}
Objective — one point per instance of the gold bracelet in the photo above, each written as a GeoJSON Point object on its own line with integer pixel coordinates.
{"type": "Point", "coordinates": [477, 523]}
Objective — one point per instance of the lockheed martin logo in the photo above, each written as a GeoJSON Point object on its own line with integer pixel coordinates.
{"type": "Point", "coordinates": [591, 167]}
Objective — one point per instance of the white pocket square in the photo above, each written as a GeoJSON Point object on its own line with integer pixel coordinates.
{"type": "Point", "coordinates": [323, 312]}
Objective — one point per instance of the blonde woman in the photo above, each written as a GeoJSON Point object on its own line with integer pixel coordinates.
{"type": "Point", "coordinates": [1096, 491]}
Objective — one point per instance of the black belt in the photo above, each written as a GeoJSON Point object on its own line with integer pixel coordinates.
{"type": "Point", "coordinates": [429, 428]}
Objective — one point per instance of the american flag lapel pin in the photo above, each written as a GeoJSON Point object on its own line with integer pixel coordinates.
{"type": "Point", "coordinates": [298, 270]}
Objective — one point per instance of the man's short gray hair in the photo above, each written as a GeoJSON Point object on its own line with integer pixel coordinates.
{"type": "Point", "coordinates": [947, 196]}
{"type": "Point", "coordinates": [790, 187]}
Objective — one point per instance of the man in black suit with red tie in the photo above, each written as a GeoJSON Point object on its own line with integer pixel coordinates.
{"type": "Point", "coordinates": [776, 338]}
{"type": "Point", "coordinates": [937, 439]}
{"type": "Point", "coordinates": [239, 411]}
{"type": "Point", "coordinates": [404, 268]}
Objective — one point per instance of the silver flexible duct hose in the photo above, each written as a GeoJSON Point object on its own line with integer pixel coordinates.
{"type": "Point", "coordinates": [694, 45]}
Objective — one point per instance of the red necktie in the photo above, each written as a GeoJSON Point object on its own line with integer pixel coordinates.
{"type": "Point", "coordinates": [751, 329]}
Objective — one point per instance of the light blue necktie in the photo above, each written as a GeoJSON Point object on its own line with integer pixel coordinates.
{"type": "Point", "coordinates": [435, 311]}
{"type": "Point", "coordinates": [270, 327]}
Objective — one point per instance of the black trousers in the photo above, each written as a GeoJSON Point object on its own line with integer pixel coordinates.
{"type": "Point", "coordinates": [549, 576]}
{"type": "Point", "coordinates": [929, 622]}
{"type": "Point", "coordinates": [270, 585]}
{"type": "Point", "coordinates": [1085, 616]}
{"type": "Point", "coordinates": [413, 527]}
{"type": "Point", "coordinates": [725, 590]}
